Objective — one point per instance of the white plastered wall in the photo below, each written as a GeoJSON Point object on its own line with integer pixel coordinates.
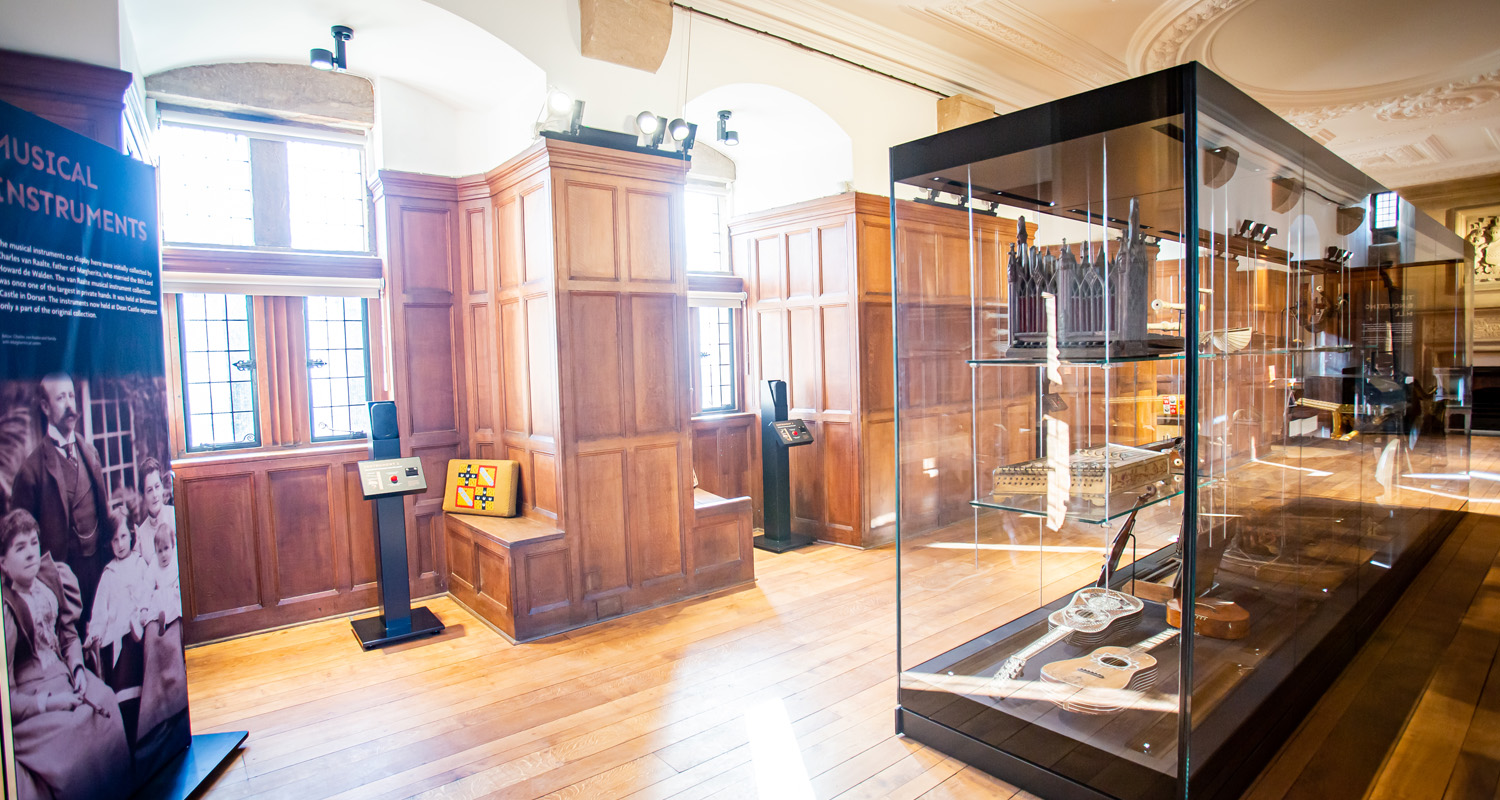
{"type": "Point", "coordinates": [704, 54]}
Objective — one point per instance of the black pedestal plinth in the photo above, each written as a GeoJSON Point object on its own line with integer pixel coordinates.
{"type": "Point", "coordinates": [782, 545]}
{"type": "Point", "coordinates": [373, 632]}
{"type": "Point", "coordinates": [187, 772]}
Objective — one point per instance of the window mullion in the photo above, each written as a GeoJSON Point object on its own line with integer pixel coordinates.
{"type": "Point", "coordinates": [270, 190]}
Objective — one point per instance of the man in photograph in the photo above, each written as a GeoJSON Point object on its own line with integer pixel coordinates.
{"type": "Point", "coordinates": [63, 487]}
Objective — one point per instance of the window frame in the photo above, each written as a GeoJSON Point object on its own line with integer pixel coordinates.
{"type": "Point", "coordinates": [354, 436]}
{"type": "Point", "coordinates": [183, 408]}
{"type": "Point", "coordinates": [721, 191]}
{"type": "Point", "coordinates": [282, 393]}
{"type": "Point", "coordinates": [1375, 203]}
{"type": "Point", "coordinates": [733, 365]}
{"type": "Point", "coordinates": [272, 189]}
{"type": "Point", "coordinates": [727, 291]}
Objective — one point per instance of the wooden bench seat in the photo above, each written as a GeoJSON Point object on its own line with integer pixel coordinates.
{"type": "Point", "coordinates": [515, 572]}
{"type": "Point", "coordinates": [512, 571]}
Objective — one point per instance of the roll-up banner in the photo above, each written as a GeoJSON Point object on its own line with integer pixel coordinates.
{"type": "Point", "coordinates": [96, 699]}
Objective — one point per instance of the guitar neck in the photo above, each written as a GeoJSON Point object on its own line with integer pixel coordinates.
{"type": "Point", "coordinates": [1047, 640]}
{"type": "Point", "coordinates": [1013, 665]}
{"type": "Point", "coordinates": [1159, 639]}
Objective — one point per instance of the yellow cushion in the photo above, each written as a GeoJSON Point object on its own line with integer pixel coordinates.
{"type": "Point", "coordinates": [477, 486]}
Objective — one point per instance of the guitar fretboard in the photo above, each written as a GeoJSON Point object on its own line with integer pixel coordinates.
{"type": "Point", "coordinates": [1159, 639]}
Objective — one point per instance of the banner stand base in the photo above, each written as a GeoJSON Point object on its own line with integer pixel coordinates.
{"type": "Point", "coordinates": [182, 777]}
{"type": "Point", "coordinates": [373, 632]}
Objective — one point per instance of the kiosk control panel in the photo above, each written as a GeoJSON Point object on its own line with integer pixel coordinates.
{"type": "Point", "coordinates": [389, 477]}
{"type": "Point", "coordinates": [792, 432]}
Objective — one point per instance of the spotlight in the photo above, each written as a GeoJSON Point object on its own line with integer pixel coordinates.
{"type": "Point", "coordinates": [338, 59]}
{"type": "Point", "coordinates": [678, 128]}
{"type": "Point", "coordinates": [727, 136]}
{"type": "Point", "coordinates": [686, 144]}
{"type": "Point", "coordinates": [559, 102]}
{"type": "Point", "coordinates": [652, 127]}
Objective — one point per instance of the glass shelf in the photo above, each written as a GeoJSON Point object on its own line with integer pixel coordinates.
{"type": "Point", "coordinates": [1175, 355]}
{"type": "Point", "coordinates": [1168, 356]}
{"type": "Point", "coordinates": [1082, 509]}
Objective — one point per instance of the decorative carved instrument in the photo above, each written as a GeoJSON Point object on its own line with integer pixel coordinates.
{"type": "Point", "coordinates": [1106, 680]}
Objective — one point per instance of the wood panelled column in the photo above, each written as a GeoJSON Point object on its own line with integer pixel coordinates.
{"type": "Point", "coordinates": [420, 232]}
{"type": "Point", "coordinates": [574, 298]}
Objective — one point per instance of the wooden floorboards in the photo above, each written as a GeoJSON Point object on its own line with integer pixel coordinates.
{"type": "Point", "coordinates": [787, 690]}
{"type": "Point", "coordinates": [695, 700]}
{"type": "Point", "coordinates": [1416, 714]}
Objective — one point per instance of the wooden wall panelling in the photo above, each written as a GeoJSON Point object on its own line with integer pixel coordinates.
{"type": "Point", "coordinates": [273, 539]}
{"type": "Point", "coordinates": [421, 232]}
{"type": "Point", "coordinates": [724, 458]}
{"type": "Point", "coordinates": [799, 273]}
{"type": "Point", "coordinates": [85, 98]}
{"type": "Point", "coordinates": [589, 307]}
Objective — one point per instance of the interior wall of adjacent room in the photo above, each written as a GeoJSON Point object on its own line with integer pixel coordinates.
{"type": "Point", "coordinates": [875, 111]}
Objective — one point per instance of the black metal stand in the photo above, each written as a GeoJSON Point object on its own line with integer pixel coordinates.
{"type": "Point", "coordinates": [398, 621]}
{"type": "Point", "coordinates": [775, 471]}
{"type": "Point", "coordinates": [190, 770]}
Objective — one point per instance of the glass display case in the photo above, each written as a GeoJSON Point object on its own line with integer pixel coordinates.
{"type": "Point", "coordinates": [1184, 357]}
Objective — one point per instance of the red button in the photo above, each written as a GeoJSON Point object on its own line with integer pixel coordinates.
{"type": "Point", "coordinates": [394, 479]}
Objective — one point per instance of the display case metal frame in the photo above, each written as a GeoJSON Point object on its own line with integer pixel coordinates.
{"type": "Point", "coordinates": [1247, 731]}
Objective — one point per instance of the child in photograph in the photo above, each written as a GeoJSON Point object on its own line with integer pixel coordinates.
{"type": "Point", "coordinates": [67, 731]}
{"type": "Point", "coordinates": [166, 600]}
{"type": "Point", "coordinates": [121, 610]}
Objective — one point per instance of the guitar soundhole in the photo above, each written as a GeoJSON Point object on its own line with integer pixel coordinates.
{"type": "Point", "coordinates": [1114, 661]}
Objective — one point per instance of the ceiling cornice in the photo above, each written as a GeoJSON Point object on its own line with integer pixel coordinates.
{"type": "Point", "coordinates": [823, 27]}
{"type": "Point", "coordinates": [1030, 37]}
{"type": "Point", "coordinates": [1436, 173]}
{"type": "Point", "coordinates": [1450, 98]}
{"type": "Point", "coordinates": [1161, 40]}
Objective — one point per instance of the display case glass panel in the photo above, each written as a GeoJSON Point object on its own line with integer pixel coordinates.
{"type": "Point", "coordinates": [1172, 312]}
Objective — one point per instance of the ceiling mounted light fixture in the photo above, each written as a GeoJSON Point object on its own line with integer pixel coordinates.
{"type": "Point", "coordinates": [728, 137]}
{"type": "Point", "coordinates": [338, 59]}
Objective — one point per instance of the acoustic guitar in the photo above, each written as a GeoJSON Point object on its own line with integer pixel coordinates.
{"type": "Point", "coordinates": [1216, 619]}
{"type": "Point", "coordinates": [1107, 680]}
{"type": "Point", "coordinates": [1094, 614]}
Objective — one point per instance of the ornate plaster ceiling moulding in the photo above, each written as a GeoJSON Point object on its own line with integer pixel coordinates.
{"type": "Point", "coordinates": [1451, 98]}
{"type": "Point", "coordinates": [1162, 38]}
{"type": "Point", "coordinates": [1031, 37]}
{"type": "Point", "coordinates": [1428, 151]}
{"type": "Point", "coordinates": [1454, 98]}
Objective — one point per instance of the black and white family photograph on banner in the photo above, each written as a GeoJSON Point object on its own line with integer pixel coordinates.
{"type": "Point", "coordinates": [88, 572]}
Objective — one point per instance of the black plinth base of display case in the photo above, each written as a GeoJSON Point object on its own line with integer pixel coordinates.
{"type": "Point", "coordinates": [187, 773]}
{"type": "Point", "coordinates": [792, 542]}
{"type": "Point", "coordinates": [372, 631]}
{"type": "Point", "coordinates": [1251, 733]}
